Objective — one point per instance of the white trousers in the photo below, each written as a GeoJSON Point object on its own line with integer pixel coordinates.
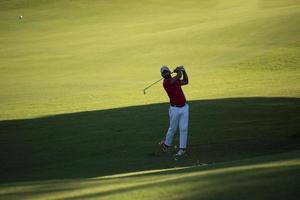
{"type": "Point", "coordinates": [178, 117]}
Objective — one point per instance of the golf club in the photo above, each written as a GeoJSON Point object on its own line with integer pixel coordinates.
{"type": "Point", "coordinates": [144, 90]}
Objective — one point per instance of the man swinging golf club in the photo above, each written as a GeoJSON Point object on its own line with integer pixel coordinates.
{"type": "Point", "coordinates": [179, 109]}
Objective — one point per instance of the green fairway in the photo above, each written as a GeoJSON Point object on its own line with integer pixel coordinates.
{"type": "Point", "coordinates": [74, 123]}
{"type": "Point", "coordinates": [273, 177]}
{"type": "Point", "coordinates": [69, 56]}
{"type": "Point", "coordinates": [100, 143]}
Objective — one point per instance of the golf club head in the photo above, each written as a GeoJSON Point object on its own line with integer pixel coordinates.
{"type": "Point", "coordinates": [144, 91]}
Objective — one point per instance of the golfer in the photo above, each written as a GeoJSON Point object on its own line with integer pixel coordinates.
{"type": "Point", "coordinates": [179, 109]}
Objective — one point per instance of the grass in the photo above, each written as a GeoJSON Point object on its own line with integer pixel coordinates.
{"type": "Point", "coordinates": [246, 179]}
{"type": "Point", "coordinates": [101, 143]}
{"type": "Point", "coordinates": [74, 123]}
{"type": "Point", "coordinates": [68, 56]}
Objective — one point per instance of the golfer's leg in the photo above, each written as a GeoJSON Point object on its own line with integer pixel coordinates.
{"type": "Point", "coordinates": [183, 126]}
{"type": "Point", "coordinates": [174, 115]}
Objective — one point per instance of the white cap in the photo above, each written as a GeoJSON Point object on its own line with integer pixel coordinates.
{"type": "Point", "coordinates": [163, 68]}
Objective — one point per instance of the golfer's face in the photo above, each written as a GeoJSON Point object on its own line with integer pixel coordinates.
{"type": "Point", "coordinates": [166, 73]}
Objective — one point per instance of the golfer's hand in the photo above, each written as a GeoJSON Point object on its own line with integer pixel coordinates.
{"type": "Point", "coordinates": [177, 70]}
{"type": "Point", "coordinates": [181, 68]}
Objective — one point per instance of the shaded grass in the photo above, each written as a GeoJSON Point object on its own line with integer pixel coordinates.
{"type": "Point", "coordinates": [112, 141]}
{"type": "Point", "coordinates": [266, 177]}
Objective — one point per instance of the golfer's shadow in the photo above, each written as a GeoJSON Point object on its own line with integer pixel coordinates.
{"type": "Point", "coordinates": [97, 143]}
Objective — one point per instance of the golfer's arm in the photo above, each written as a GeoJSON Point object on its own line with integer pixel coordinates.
{"type": "Point", "coordinates": [185, 79]}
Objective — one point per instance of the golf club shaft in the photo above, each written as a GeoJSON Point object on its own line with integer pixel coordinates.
{"type": "Point", "coordinates": [155, 82]}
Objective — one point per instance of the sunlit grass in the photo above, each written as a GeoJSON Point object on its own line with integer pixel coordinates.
{"type": "Point", "coordinates": [68, 56]}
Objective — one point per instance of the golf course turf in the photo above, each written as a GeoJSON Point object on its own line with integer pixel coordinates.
{"type": "Point", "coordinates": [75, 124]}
